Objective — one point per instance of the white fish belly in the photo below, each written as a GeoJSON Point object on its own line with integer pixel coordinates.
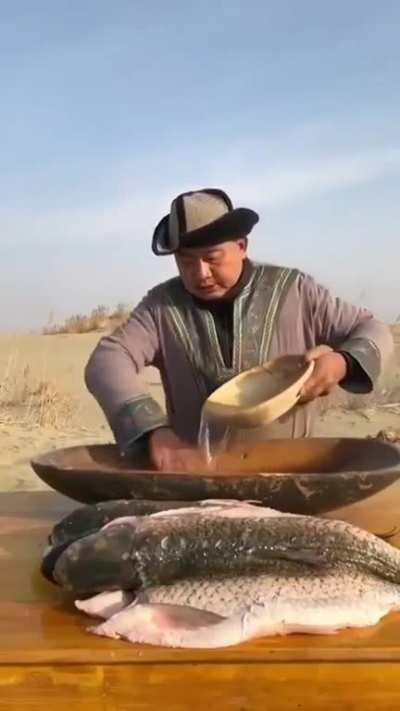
{"type": "Point", "coordinates": [227, 611]}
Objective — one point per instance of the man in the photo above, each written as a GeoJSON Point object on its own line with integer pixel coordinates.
{"type": "Point", "coordinates": [224, 314]}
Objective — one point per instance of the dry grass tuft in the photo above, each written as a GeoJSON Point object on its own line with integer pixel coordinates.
{"type": "Point", "coordinates": [101, 318]}
{"type": "Point", "coordinates": [32, 402]}
{"type": "Point", "coordinates": [386, 396]}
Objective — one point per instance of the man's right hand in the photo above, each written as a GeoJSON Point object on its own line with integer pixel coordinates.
{"type": "Point", "coordinates": [169, 453]}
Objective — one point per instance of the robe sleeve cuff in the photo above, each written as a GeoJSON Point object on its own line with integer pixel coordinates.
{"type": "Point", "coordinates": [363, 365]}
{"type": "Point", "coordinates": [137, 418]}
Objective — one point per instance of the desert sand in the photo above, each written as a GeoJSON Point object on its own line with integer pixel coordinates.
{"type": "Point", "coordinates": [44, 404]}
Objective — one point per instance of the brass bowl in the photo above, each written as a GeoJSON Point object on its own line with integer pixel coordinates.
{"type": "Point", "coordinates": [309, 476]}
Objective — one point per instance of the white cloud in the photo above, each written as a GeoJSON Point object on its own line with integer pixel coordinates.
{"type": "Point", "coordinates": [133, 214]}
{"type": "Point", "coordinates": [279, 187]}
{"type": "Point", "coordinates": [123, 217]}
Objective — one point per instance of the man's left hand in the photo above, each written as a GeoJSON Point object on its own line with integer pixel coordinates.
{"type": "Point", "coordinates": [329, 369]}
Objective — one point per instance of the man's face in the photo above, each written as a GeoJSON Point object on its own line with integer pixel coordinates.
{"type": "Point", "coordinates": [210, 272]}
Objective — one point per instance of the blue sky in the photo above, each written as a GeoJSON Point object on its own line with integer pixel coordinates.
{"type": "Point", "coordinates": [108, 110]}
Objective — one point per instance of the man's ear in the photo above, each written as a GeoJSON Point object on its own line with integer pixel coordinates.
{"type": "Point", "coordinates": [243, 243]}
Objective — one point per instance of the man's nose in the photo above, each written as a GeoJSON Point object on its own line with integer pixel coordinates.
{"type": "Point", "coordinates": [203, 269]}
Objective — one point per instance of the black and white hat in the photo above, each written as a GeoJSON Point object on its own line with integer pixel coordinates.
{"type": "Point", "coordinates": [201, 218]}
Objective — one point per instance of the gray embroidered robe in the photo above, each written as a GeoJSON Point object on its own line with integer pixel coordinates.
{"type": "Point", "coordinates": [279, 311]}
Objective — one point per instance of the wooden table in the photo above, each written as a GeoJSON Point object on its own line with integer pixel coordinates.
{"type": "Point", "coordinates": [49, 661]}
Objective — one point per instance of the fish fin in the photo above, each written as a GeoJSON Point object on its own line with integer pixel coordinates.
{"type": "Point", "coordinates": [220, 507]}
{"type": "Point", "coordinates": [163, 624]}
{"type": "Point", "coordinates": [105, 604]}
{"type": "Point", "coordinates": [124, 520]}
{"type": "Point", "coordinates": [219, 502]}
{"type": "Point", "coordinates": [230, 502]}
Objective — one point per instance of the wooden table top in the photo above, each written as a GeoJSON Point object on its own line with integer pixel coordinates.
{"type": "Point", "coordinates": [41, 629]}
{"type": "Point", "coordinates": [38, 621]}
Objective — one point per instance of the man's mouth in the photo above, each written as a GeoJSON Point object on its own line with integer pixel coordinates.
{"type": "Point", "coordinates": [206, 287]}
